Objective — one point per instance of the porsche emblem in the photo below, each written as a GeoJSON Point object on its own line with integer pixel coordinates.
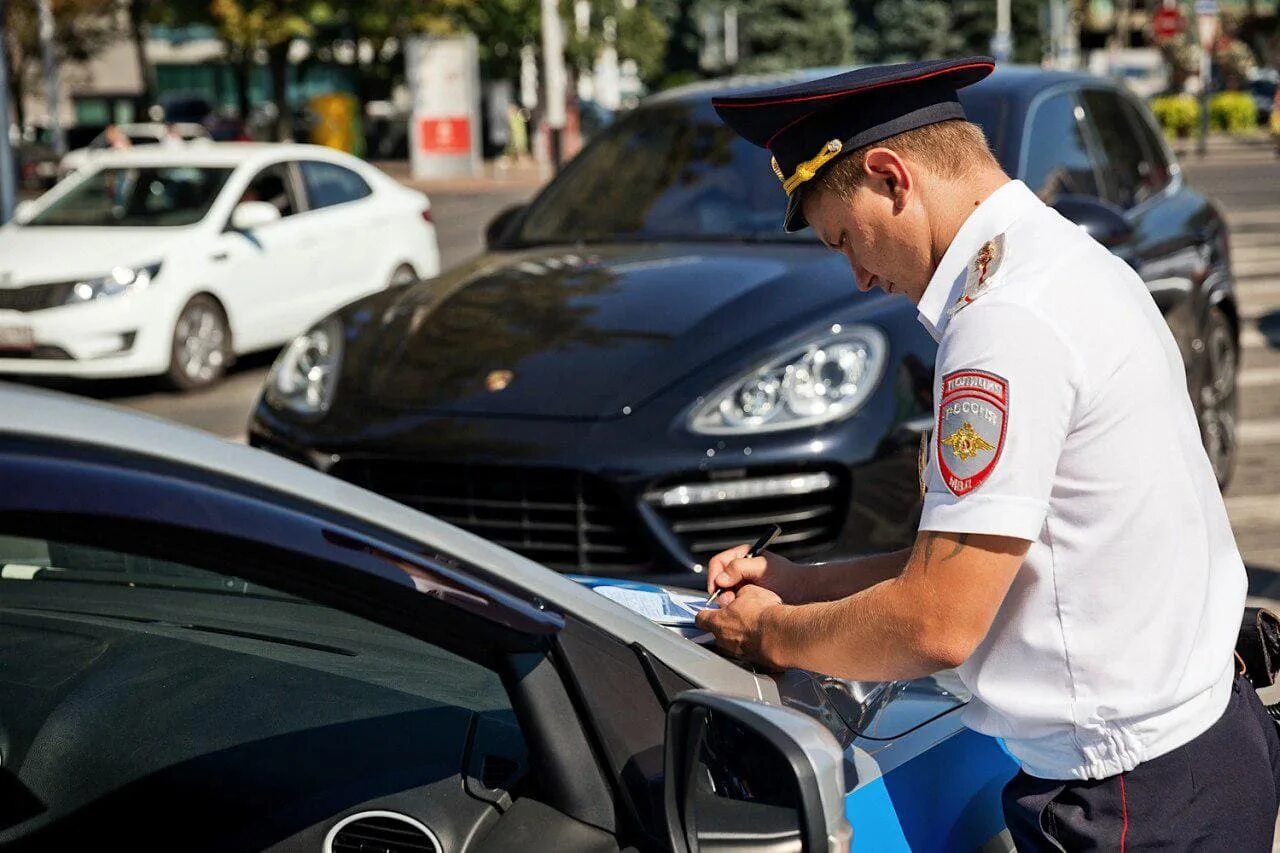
{"type": "Point", "coordinates": [497, 380]}
{"type": "Point", "coordinates": [966, 443]}
{"type": "Point", "coordinates": [972, 420]}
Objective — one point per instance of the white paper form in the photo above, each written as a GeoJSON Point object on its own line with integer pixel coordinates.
{"type": "Point", "coordinates": [658, 606]}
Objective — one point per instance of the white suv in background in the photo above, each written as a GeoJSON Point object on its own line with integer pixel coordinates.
{"type": "Point", "coordinates": [174, 260]}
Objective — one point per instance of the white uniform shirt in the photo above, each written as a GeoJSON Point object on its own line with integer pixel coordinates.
{"type": "Point", "coordinates": [1063, 418]}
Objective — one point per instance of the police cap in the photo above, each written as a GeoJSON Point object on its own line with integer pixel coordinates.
{"type": "Point", "coordinates": [808, 125]}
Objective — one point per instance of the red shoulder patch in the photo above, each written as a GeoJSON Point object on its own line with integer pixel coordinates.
{"type": "Point", "coordinates": [973, 417]}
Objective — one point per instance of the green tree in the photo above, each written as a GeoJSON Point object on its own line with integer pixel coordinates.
{"type": "Point", "coordinates": [779, 35]}
{"type": "Point", "coordinates": [81, 29]}
{"type": "Point", "coordinates": [975, 22]}
{"type": "Point", "coordinates": [904, 30]}
{"type": "Point", "coordinates": [638, 32]}
{"type": "Point", "coordinates": [271, 25]}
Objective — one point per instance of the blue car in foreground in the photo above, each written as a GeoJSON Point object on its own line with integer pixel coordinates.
{"type": "Point", "coordinates": [206, 647]}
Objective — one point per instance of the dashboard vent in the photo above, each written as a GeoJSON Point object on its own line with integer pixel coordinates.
{"type": "Point", "coordinates": [381, 832]}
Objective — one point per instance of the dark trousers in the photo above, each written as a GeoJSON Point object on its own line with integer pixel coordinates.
{"type": "Point", "coordinates": [1219, 792]}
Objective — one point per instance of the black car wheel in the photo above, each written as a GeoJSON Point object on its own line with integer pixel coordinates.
{"type": "Point", "coordinates": [1216, 401]}
{"type": "Point", "coordinates": [201, 345]}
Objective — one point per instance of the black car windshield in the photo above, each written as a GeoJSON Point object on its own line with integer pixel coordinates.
{"type": "Point", "coordinates": [676, 172]}
{"type": "Point", "coordinates": [141, 196]}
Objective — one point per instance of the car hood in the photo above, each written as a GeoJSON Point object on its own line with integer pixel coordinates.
{"type": "Point", "coordinates": [31, 255]}
{"type": "Point", "coordinates": [582, 334]}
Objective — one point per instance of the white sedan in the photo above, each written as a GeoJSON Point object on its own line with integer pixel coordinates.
{"type": "Point", "coordinates": [174, 261]}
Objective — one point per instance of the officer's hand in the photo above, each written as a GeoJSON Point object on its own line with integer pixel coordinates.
{"type": "Point", "coordinates": [730, 569]}
{"type": "Point", "coordinates": [739, 628]}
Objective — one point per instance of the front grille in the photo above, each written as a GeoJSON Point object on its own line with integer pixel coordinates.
{"type": "Point", "coordinates": [810, 522]}
{"type": "Point", "coordinates": [35, 297]}
{"type": "Point", "coordinates": [565, 520]}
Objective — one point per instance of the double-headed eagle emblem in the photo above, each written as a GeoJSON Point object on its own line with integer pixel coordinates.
{"type": "Point", "coordinates": [965, 442]}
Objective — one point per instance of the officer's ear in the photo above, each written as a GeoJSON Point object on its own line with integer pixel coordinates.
{"type": "Point", "coordinates": [886, 170]}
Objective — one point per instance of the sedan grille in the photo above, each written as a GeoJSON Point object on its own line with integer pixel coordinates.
{"type": "Point", "coordinates": [36, 297]}
{"type": "Point", "coordinates": [565, 520]}
{"type": "Point", "coordinates": [731, 508]}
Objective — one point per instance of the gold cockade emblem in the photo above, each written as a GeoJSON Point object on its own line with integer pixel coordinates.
{"type": "Point", "coordinates": [965, 442]}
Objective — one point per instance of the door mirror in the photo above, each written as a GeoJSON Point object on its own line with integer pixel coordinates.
{"type": "Point", "coordinates": [742, 775]}
{"type": "Point", "coordinates": [249, 215]}
{"type": "Point", "coordinates": [23, 211]}
{"type": "Point", "coordinates": [500, 224]}
{"type": "Point", "coordinates": [1101, 220]}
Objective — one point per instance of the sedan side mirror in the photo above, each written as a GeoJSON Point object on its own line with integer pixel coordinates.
{"type": "Point", "coordinates": [249, 215]}
{"type": "Point", "coordinates": [500, 224]}
{"type": "Point", "coordinates": [742, 775]}
{"type": "Point", "coordinates": [1101, 220]}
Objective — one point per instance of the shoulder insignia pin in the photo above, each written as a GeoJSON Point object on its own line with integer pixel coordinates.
{"type": "Point", "coordinates": [981, 270]}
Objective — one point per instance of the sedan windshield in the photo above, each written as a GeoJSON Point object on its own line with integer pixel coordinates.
{"type": "Point", "coordinates": [677, 172]}
{"type": "Point", "coordinates": [150, 195]}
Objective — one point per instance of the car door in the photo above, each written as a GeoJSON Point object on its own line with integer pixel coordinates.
{"type": "Point", "coordinates": [265, 275]}
{"type": "Point", "coordinates": [1167, 246]}
{"type": "Point", "coordinates": [344, 213]}
{"type": "Point", "coordinates": [185, 650]}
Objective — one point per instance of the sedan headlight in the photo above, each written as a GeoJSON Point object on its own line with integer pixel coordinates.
{"type": "Point", "coordinates": [119, 280]}
{"type": "Point", "coordinates": [822, 381]}
{"type": "Point", "coordinates": [305, 376]}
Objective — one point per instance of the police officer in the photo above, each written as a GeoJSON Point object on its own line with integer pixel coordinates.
{"type": "Point", "coordinates": [1074, 560]}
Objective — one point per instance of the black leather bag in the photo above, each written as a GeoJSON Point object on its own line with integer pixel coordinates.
{"type": "Point", "coordinates": [1258, 646]}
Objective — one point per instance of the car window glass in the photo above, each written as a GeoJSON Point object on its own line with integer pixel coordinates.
{"type": "Point", "coordinates": [1154, 166]}
{"type": "Point", "coordinates": [273, 186]}
{"type": "Point", "coordinates": [1120, 147]}
{"type": "Point", "coordinates": [329, 184]}
{"type": "Point", "coordinates": [136, 197]}
{"type": "Point", "coordinates": [123, 643]}
{"type": "Point", "coordinates": [1057, 160]}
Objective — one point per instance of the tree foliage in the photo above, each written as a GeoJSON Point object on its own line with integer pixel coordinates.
{"type": "Point", "coordinates": [778, 35]}
{"type": "Point", "coordinates": [904, 30]}
{"type": "Point", "coordinates": [81, 29]}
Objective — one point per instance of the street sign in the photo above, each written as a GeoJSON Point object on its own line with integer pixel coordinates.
{"type": "Point", "coordinates": [1206, 7]}
{"type": "Point", "coordinates": [1167, 23]}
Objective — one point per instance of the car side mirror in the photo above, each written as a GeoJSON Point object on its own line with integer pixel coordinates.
{"type": "Point", "coordinates": [742, 775]}
{"type": "Point", "coordinates": [23, 211]}
{"type": "Point", "coordinates": [1101, 220]}
{"type": "Point", "coordinates": [500, 224]}
{"type": "Point", "coordinates": [249, 215]}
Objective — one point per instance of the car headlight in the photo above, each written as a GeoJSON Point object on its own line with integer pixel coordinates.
{"type": "Point", "coordinates": [822, 381]}
{"type": "Point", "coordinates": [119, 280]}
{"type": "Point", "coordinates": [305, 376]}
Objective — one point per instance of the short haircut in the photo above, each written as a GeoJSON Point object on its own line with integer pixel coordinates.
{"type": "Point", "coordinates": [949, 149]}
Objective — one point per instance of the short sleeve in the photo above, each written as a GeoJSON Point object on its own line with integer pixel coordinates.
{"type": "Point", "coordinates": [1005, 390]}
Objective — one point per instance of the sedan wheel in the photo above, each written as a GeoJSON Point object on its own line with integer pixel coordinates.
{"type": "Point", "coordinates": [201, 345]}
{"type": "Point", "coordinates": [1217, 403]}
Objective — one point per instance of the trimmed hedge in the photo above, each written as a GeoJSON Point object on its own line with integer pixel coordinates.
{"type": "Point", "coordinates": [1177, 114]}
{"type": "Point", "coordinates": [1233, 112]}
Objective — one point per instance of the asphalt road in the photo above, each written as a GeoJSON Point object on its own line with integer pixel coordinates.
{"type": "Point", "coordinates": [1242, 177]}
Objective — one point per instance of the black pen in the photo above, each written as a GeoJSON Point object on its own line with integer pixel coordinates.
{"type": "Point", "coordinates": [765, 540]}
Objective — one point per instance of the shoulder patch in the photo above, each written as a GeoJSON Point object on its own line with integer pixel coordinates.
{"type": "Point", "coordinates": [981, 270]}
{"type": "Point", "coordinates": [973, 418]}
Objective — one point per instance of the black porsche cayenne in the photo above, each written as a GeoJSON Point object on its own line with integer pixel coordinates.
{"type": "Point", "coordinates": [644, 370]}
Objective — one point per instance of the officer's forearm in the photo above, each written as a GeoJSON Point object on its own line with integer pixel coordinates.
{"type": "Point", "coordinates": [931, 616]}
{"type": "Point", "coordinates": [870, 636]}
{"type": "Point", "coordinates": [833, 581]}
